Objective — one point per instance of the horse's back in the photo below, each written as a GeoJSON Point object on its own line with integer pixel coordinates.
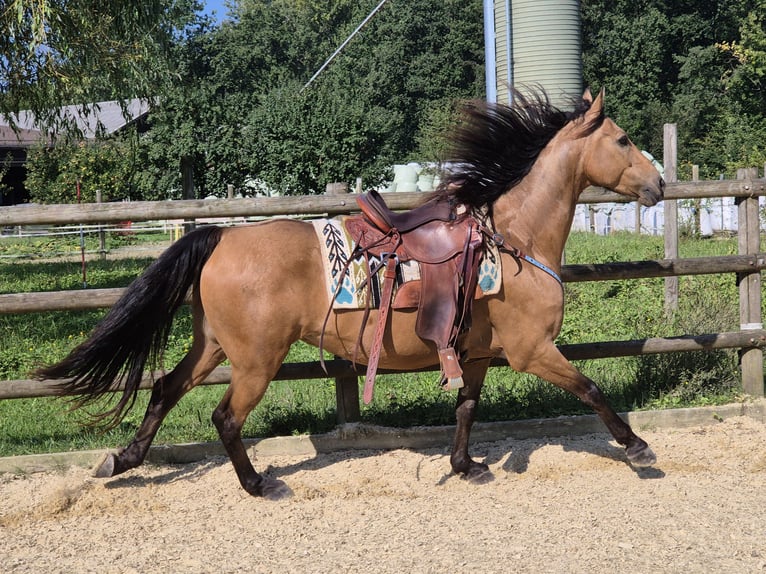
{"type": "Point", "coordinates": [278, 251]}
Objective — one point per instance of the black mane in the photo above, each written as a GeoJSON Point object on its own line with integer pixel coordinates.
{"type": "Point", "coordinates": [495, 145]}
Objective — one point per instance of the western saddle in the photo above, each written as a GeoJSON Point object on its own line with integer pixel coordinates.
{"type": "Point", "coordinates": [445, 240]}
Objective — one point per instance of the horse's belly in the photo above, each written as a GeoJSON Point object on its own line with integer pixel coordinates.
{"type": "Point", "coordinates": [401, 347]}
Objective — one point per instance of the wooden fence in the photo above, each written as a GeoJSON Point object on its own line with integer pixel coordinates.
{"type": "Point", "coordinates": [751, 337]}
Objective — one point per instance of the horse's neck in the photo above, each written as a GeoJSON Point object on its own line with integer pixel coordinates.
{"type": "Point", "coordinates": [536, 215]}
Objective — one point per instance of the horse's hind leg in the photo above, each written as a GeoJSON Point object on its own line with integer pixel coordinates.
{"type": "Point", "coordinates": [552, 366]}
{"type": "Point", "coordinates": [465, 414]}
{"type": "Point", "coordinates": [201, 359]}
{"type": "Point", "coordinates": [245, 392]}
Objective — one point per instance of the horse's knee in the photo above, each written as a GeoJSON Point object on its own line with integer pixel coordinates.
{"type": "Point", "coordinates": [217, 418]}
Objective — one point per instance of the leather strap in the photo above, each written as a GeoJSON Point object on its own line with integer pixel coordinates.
{"type": "Point", "coordinates": [389, 279]}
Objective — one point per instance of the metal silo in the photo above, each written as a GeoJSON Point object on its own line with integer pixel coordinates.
{"type": "Point", "coordinates": [540, 47]}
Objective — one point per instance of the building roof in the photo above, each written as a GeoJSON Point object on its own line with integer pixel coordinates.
{"type": "Point", "coordinates": [19, 138]}
{"type": "Point", "coordinates": [101, 118]}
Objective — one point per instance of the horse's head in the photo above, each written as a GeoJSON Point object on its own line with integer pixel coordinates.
{"type": "Point", "coordinates": [612, 161]}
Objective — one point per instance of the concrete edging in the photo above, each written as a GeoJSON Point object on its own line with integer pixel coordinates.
{"type": "Point", "coordinates": [356, 436]}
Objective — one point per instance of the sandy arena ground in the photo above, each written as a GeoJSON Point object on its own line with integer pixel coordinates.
{"type": "Point", "coordinates": [556, 505]}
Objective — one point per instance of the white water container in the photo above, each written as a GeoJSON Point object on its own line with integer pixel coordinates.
{"type": "Point", "coordinates": [406, 177]}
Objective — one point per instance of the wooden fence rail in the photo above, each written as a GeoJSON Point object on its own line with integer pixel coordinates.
{"type": "Point", "coordinates": [17, 303]}
{"type": "Point", "coordinates": [752, 337]}
{"type": "Point", "coordinates": [341, 368]}
{"type": "Point", "coordinates": [307, 205]}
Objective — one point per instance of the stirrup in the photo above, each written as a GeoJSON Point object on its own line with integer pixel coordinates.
{"type": "Point", "coordinates": [452, 374]}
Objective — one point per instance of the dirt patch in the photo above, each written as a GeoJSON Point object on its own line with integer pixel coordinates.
{"type": "Point", "coordinates": [556, 505]}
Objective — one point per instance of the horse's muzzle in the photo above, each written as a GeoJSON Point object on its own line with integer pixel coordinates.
{"type": "Point", "coordinates": [651, 194]}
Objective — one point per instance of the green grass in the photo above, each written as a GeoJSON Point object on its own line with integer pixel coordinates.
{"type": "Point", "coordinates": [45, 246]}
{"type": "Point", "coordinates": [597, 311]}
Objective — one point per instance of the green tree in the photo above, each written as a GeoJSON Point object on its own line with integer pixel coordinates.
{"type": "Point", "coordinates": [54, 173]}
{"type": "Point", "coordinates": [627, 53]}
{"type": "Point", "coordinates": [55, 53]}
{"type": "Point", "coordinates": [298, 141]}
{"type": "Point", "coordinates": [241, 111]}
{"type": "Point", "coordinates": [746, 78]}
{"type": "Point", "coordinates": [731, 127]}
{"type": "Point", "coordinates": [691, 63]}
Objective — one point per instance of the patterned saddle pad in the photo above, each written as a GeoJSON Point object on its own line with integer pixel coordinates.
{"type": "Point", "coordinates": [351, 286]}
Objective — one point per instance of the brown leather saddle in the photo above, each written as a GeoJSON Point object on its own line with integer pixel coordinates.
{"type": "Point", "coordinates": [447, 246]}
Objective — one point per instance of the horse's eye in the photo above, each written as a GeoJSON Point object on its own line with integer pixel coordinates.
{"type": "Point", "coordinates": [624, 141]}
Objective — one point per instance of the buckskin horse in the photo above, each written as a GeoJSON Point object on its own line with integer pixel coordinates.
{"type": "Point", "coordinates": [257, 289]}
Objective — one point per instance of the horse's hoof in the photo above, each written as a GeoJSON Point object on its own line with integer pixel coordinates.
{"type": "Point", "coordinates": [105, 468]}
{"type": "Point", "coordinates": [642, 457]}
{"type": "Point", "coordinates": [273, 489]}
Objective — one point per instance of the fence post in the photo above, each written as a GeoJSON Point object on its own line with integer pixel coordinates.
{"type": "Point", "coordinates": [749, 240]}
{"type": "Point", "coordinates": [347, 398]}
{"type": "Point", "coordinates": [187, 185]}
{"type": "Point", "coordinates": [697, 203]}
{"type": "Point", "coordinates": [101, 232]}
{"type": "Point", "coordinates": [670, 207]}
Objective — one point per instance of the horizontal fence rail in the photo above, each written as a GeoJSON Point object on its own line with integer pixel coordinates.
{"type": "Point", "coordinates": [341, 368]}
{"type": "Point", "coordinates": [16, 303]}
{"type": "Point", "coordinates": [752, 336]}
{"type": "Point", "coordinates": [307, 205]}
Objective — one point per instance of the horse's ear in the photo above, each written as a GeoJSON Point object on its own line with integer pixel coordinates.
{"type": "Point", "coordinates": [587, 96]}
{"type": "Point", "coordinates": [597, 105]}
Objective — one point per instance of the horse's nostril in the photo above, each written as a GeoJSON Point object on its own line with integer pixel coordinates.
{"type": "Point", "coordinates": [662, 184]}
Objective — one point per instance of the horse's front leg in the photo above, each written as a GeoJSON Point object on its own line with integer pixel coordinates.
{"type": "Point", "coordinates": [465, 413]}
{"type": "Point", "coordinates": [552, 366]}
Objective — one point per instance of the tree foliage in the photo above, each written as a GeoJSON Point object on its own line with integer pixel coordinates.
{"type": "Point", "coordinates": [58, 173]}
{"type": "Point", "coordinates": [60, 52]}
{"type": "Point", "coordinates": [237, 103]}
{"type": "Point", "coordinates": [242, 111]}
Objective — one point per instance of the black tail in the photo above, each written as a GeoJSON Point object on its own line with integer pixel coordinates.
{"type": "Point", "coordinates": [136, 329]}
